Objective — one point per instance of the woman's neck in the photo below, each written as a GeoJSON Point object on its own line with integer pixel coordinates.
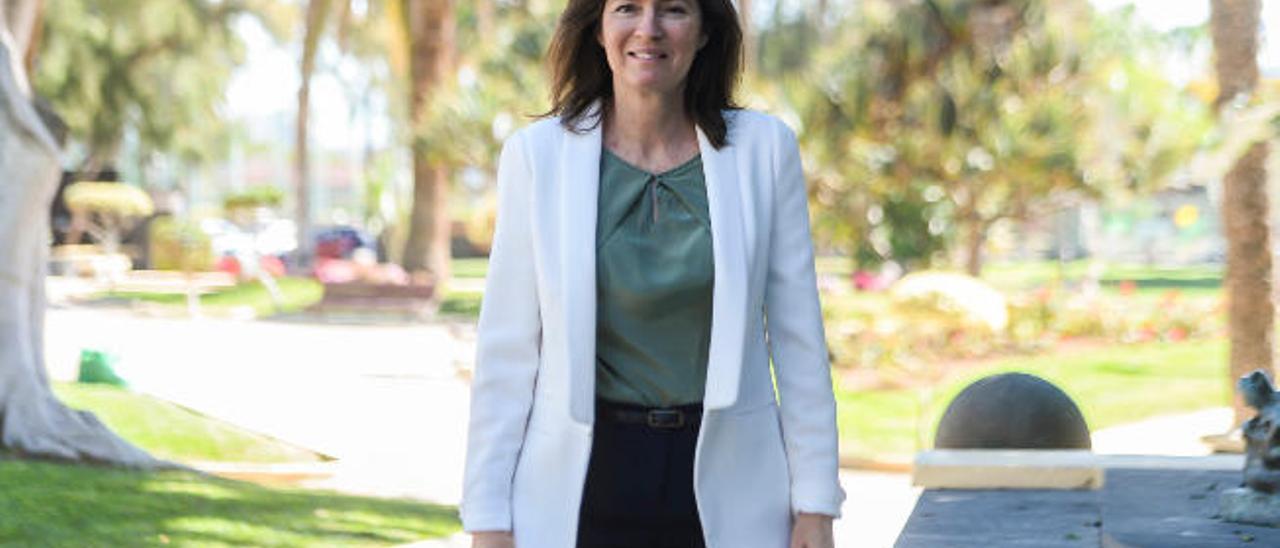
{"type": "Point", "coordinates": [650, 131]}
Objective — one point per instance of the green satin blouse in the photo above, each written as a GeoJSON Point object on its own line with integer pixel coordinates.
{"type": "Point", "coordinates": [654, 273]}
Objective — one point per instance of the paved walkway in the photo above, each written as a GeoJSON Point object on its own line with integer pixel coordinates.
{"type": "Point", "coordinates": [389, 403]}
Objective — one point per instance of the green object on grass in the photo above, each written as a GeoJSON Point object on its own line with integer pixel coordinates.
{"type": "Point", "coordinates": [98, 367]}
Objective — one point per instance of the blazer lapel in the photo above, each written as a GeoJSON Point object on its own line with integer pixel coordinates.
{"type": "Point", "coordinates": [579, 186]}
{"type": "Point", "coordinates": [729, 295]}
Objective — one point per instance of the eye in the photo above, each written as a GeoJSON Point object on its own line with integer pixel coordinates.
{"type": "Point", "coordinates": [680, 8]}
{"type": "Point", "coordinates": [624, 7]}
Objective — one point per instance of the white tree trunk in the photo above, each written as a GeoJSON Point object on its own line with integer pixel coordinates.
{"type": "Point", "coordinates": [33, 423]}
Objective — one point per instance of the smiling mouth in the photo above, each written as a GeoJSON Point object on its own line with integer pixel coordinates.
{"type": "Point", "coordinates": [646, 56]}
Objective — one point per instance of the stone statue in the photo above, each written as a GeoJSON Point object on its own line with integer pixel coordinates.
{"type": "Point", "coordinates": [1261, 433]}
{"type": "Point", "coordinates": [1258, 502]}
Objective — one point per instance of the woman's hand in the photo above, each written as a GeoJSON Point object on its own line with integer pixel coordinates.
{"type": "Point", "coordinates": [812, 531]}
{"type": "Point", "coordinates": [492, 539]}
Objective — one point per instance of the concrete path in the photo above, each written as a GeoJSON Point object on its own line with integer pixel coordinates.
{"type": "Point", "coordinates": [1176, 435]}
{"type": "Point", "coordinates": [387, 401]}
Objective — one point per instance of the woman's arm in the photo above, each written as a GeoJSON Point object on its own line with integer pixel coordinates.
{"type": "Point", "coordinates": [797, 343]}
{"type": "Point", "coordinates": [507, 352]}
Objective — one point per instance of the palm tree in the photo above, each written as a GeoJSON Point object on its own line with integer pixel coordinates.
{"type": "Point", "coordinates": [431, 50]}
{"type": "Point", "coordinates": [1245, 208]}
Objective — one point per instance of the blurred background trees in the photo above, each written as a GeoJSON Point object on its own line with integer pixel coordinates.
{"type": "Point", "coordinates": [927, 126]}
{"type": "Point", "coordinates": [926, 123]}
{"type": "Point", "coordinates": [151, 72]}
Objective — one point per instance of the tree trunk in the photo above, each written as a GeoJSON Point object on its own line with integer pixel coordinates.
{"type": "Point", "coordinates": [32, 421]}
{"type": "Point", "coordinates": [485, 17]}
{"type": "Point", "coordinates": [748, 35]}
{"type": "Point", "coordinates": [431, 52]}
{"type": "Point", "coordinates": [313, 28]}
{"type": "Point", "coordinates": [317, 13]}
{"type": "Point", "coordinates": [1245, 208]}
{"type": "Point", "coordinates": [975, 237]}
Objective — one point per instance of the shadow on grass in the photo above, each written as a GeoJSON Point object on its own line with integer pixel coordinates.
{"type": "Point", "coordinates": [43, 504]}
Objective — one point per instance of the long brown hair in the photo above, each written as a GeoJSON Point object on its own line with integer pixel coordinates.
{"type": "Point", "coordinates": [580, 73]}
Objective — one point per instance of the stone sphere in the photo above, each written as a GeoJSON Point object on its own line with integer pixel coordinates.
{"type": "Point", "coordinates": [1012, 411]}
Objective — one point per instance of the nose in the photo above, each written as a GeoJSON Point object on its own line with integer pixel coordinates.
{"type": "Point", "coordinates": [650, 25]}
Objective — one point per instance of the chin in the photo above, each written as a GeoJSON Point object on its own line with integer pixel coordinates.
{"type": "Point", "coordinates": [652, 85]}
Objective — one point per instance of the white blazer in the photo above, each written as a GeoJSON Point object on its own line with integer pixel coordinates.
{"type": "Point", "coordinates": [760, 458]}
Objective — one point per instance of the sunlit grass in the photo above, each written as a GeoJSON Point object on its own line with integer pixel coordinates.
{"type": "Point", "coordinates": [461, 304]}
{"type": "Point", "coordinates": [62, 505]}
{"type": "Point", "coordinates": [174, 433]}
{"type": "Point", "coordinates": [470, 267]}
{"type": "Point", "coordinates": [296, 294]}
{"type": "Point", "coordinates": [1112, 385]}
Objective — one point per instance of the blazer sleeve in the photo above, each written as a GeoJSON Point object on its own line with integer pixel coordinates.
{"type": "Point", "coordinates": [797, 344]}
{"type": "Point", "coordinates": [507, 354]}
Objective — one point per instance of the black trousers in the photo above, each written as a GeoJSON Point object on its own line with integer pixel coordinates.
{"type": "Point", "coordinates": [639, 488]}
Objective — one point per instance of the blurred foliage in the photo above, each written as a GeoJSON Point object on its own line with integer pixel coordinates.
{"type": "Point", "coordinates": [480, 223]}
{"type": "Point", "coordinates": [108, 199]}
{"type": "Point", "coordinates": [155, 69]}
{"type": "Point", "coordinates": [254, 197]}
{"type": "Point", "coordinates": [500, 85]}
{"type": "Point", "coordinates": [915, 337]}
{"type": "Point", "coordinates": [923, 123]}
{"type": "Point", "coordinates": [179, 245]}
{"type": "Point", "coordinates": [923, 119]}
{"type": "Point", "coordinates": [105, 210]}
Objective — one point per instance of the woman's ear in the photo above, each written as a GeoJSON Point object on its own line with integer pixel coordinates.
{"type": "Point", "coordinates": [703, 39]}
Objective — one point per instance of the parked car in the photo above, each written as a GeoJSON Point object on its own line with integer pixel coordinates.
{"type": "Point", "coordinates": [340, 241]}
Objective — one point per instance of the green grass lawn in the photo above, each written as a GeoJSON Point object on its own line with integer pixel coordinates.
{"type": "Point", "coordinates": [1111, 384]}
{"type": "Point", "coordinates": [174, 433]}
{"type": "Point", "coordinates": [471, 267]}
{"type": "Point", "coordinates": [297, 294]}
{"type": "Point", "coordinates": [461, 304]}
{"type": "Point", "coordinates": [45, 504]}
{"type": "Point", "coordinates": [1193, 280]}
{"type": "Point", "coordinates": [1020, 276]}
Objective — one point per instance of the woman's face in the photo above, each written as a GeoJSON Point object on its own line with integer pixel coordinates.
{"type": "Point", "coordinates": [650, 44]}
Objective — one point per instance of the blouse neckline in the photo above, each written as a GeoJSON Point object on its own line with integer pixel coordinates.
{"type": "Point", "coordinates": [680, 168]}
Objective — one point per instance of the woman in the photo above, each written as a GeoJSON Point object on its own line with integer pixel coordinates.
{"type": "Point", "coordinates": [651, 238]}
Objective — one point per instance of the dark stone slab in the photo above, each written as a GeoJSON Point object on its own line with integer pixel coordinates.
{"type": "Point", "coordinates": [997, 518]}
{"type": "Point", "coordinates": [1173, 509]}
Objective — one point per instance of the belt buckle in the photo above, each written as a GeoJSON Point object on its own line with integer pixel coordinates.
{"type": "Point", "coordinates": [665, 418]}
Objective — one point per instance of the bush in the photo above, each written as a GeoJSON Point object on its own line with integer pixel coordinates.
{"type": "Point", "coordinates": [254, 197]}
{"type": "Point", "coordinates": [180, 245]}
{"type": "Point", "coordinates": [949, 319]}
{"type": "Point", "coordinates": [109, 199]}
